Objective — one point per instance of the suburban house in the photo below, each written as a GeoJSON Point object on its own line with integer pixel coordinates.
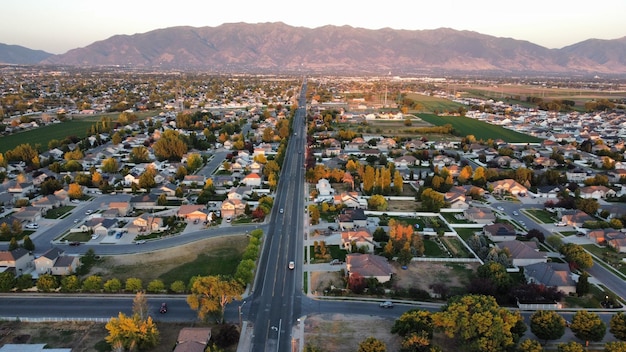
{"type": "Point", "coordinates": [508, 186]}
{"type": "Point", "coordinates": [122, 208]}
{"type": "Point", "coordinates": [617, 241]}
{"type": "Point", "coordinates": [49, 202]}
{"type": "Point", "coordinates": [233, 208]}
{"type": "Point", "coordinates": [369, 266]}
{"type": "Point", "coordinates": [480, 215]}
{"type": "Point", "coordinates": [352, 218]}
{"type": "Point", "coordinates": [596, 192]}
{"type": "Point", "coordinates": [105, 227]}
{"type": "Point", "coordinates": [192, 212]}
{"type": "Point", "coordinates": [354, 240]}
{"type": "Point", "coordinates": [19, 260]}
{"type": "Point", "coordinates": [252, 179]}
{"type": "Point", "coordinates": [30, 214]}
{"type": "Point", "coordinates": [192, 340]}
{"type": "Point", "coordinates": [575, 218]}
{"type": "Point", "coordinates": [65, 265]}
{"type": "Point", "coordinates": [523, 253]}
{"type": "Point", "coordinates": [405, 161]}
{"type": "Point", "coordinates": [324, 188]}
{"type": "Point", "coordinates": [556, 275]}
{"type": "Point", "coordinates": [147, 223]}
{"type": "Point", "coordinates": [500, 232]}
{"type": "Point", "coordinates": [350, 200]}
{"type": "Point", "coordinates": [45, 262]}
{"type": "Point", "coordinates": [143, 201]}
{"type": "Point", "coordinates": [198, 180]}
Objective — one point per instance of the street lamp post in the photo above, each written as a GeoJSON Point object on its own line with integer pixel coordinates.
{"type": "Point", "coordinates": [240, 314]}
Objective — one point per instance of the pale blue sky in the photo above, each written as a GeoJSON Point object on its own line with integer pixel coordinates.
{"type": "Point", "coordinates": [57, 26]}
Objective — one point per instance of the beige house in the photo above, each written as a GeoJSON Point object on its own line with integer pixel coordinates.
{"type": "Point", "coordinates": [252, 179]}
{"type": "Point", "coordinates": [233, 208]}
{"type": "Point", "coordinates": [45, 262]}
{"type": "Point", "coordinates": [192, 340]}
{"type": "Point", "coordinates": [361, 238]}
{"type": "Point", "coordinates": [508, 186]}
{"type": "Point", "coordinates": [66, 265]}
{"type": "Point", "coordinates": [192, 212]}
{"type": "Point", "coordinates": [147, 223]}
{"type": "Point", "coordinates": [19, 260]}
{"type": "Point", "coordinates": [123, 208]}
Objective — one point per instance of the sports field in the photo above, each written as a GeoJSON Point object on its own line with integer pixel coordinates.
{"type": "Point", "coordinates": [43, 135]}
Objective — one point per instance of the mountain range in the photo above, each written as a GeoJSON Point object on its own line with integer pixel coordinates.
{"type": "Point", "coordinates": [280, 48]}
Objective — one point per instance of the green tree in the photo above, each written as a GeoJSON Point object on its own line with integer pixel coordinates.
{"type": "Point", "coordinates": [529, 345]}
{"type": "Point", "coordinates": [70, 283]}
{"type": "Point", "coordinates": [576, 255]}
{"type": "Point", "coordinates": [28, 244]}
{"type": "Point", "coordinates": [7, 281]}
{"type": "Point", "coordinates": [162, 200]}
{"type": "Point", "coordinates": [245, 271]}
{"type": "Point", "coordinates": [178, 286]}
{"type": "Point", "coordinates": [588, 326]}
{"type": "Point", "coordinates": [194, 162]}
{"type": "Point", "coordinates": [109, 165]}
{"type": "Point", "coordinates": [572, 346]}
{"type": "Point", "coordinates": [24, 282]}
{"type": "Point", "coordinates": [47, 283]}
{"type": "Point", "coordinates": [156, 286]}
{"type": "Point", "coordinates": [210, 294]}
{"type": "Point", "coordinates": [92, 283]}
{"type": "Point", "coordinates": [479, 322]}
{"type": "Point", "coordinates": [139, 155]}
{"type": "Point", "coordinates": [432, 200]}
{"type": "Point", "coordinates": [146, 179]}
{"type": "Point", "coordinates": [13, 244]}
{"type": "Point", "coordinates": [547, 325]}
{"type": "Point", "coordinates": [170, 146]}
{"type": "Point", "coordinates": [582, 286]}
{"type": "Point", "coordinates": [372, 344]}
{"type": "Point", "coordinates": [497, 274]}
{"type": "Point", "coordinates": [113, 285]}
{"type": "Point", "coordinates": [133, 284]}
{"type": "Point", "coordinates": [617, 326]}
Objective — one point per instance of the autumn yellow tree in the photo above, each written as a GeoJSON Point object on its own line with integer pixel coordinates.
{"type": "Point", "coordinates": [398, 184]}
{"type": "Point", "coordinates": [132, 333]}
{"type": "Point", "coordinates": [210, 295]}
{"type": "Point", "coordinates": [75, 191]}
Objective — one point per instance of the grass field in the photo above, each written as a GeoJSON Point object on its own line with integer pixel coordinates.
{"type": "Point", "coordinates": [464, 126]}
{"type": "Point", "coordinates": [432, 104]}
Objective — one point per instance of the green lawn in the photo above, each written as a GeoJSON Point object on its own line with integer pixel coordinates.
{"type": "Point", "coordinates": [455, 247]}
{"type": "Point", "coordinates": [220, 262]}
{"type": "Point", "coordinates": [57, 213]}
{"type": "Point", "coordinates": [431, 249]}
{"type": "Point", "coordinates": [464, 126]}
{"type": "Point", "coordinates": [540, 215]}
{"type": "Point", "coordinates": [466, 233]}
{"type": "Point", "coordinates": [451, 218]}
{"type": "Point", "coordinates": [432, 104]}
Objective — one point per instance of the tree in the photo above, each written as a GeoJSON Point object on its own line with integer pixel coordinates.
{"type": "Point", "coordinates": [13, 244]}
{"type": "Point", "coordinates": [70, 283]}
{"type": "Point", "coordinates": [156, 286]}
{"type": "Point", "coordinates": [415, 320]}
{"type": "Point", "coordinates": [227, 335]}
{"type": "Point", "coordinates": [146, 179]}
{"type": "Point", "coordinates": [377, 202]}
{"type": "Point", "coordinates": [75, 191]}
{"type": "Point", "coordinates": [113, 285]}
{"type": "Point", "coordinates": [47, 283]}
{"type": "Point", "coordinates": [617, 326]}
{"type": "Point", "coordinates": [497, 274]}
{"type": "Point", "coordinates": [576, 255]}
{"type": "Point", "coordinates": [109, 165]}
{"type": "Point", "coordinates": [479, 322]}
{"type": "Point", "coordinates": [588, 326]}
{"type": "Point", "coordinates": [582, 286]}
{"type": "Point", "coordinates": [572, 346]}
{"type": "Point", "coordinates": [398, 182]}
{"type": "Point", "coordinates": [170, 146]}
{"type": "Point", "coordinates": [194, 162]}
{"type": "Point", "coordinates": [139, 155]}
{"type": "Point", "coordinates": [7, 281]}
{"type": "Point", "coordinates": [132, 333]}
{"type": "Point", "coordinates": [547, 325]}
{"type": "Point", "coordinates": [28, 244]}
{"type": "Point", "coordinates": [92, 283]}
{"type": "Point", "coordinates": [16, 227]}
{"type": "Point", "coordinates": [529, 345]}
{"type": "Point", "coordinates": [162, 200]}
{"type": "Point", "coordinates": [372, 344]}
{"type": "Point", "coordinates": [133, 284]}
{"type": "Point", "coordinates": [615, 346]}
{"type": "Point", "coordinates": [140, 306]}
{"type": "Point", "coordinates": [24, 282]}
{"type": "Point", "coordinates": [178, 286]}
{"type": "Point", "coordinates": [432, 200]}
{"type": "Point", "coordinates": [210, 294]}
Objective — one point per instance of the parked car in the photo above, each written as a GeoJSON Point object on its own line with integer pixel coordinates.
{"type": "Point", "coordinates": [32, 226]}
{"type": "Point", "coordinates": [163, 308]}
{"type": "Point", "coordinates": [140, 242]}
{"type": "Point", "coordinates": [560, 223]}
{"type": "Point", "coordinates": [75, 243]}
{"type": "Point", "coordinates": [386, 304]}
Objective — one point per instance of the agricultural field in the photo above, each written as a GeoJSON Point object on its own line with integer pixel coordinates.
{"type": "Point", "coordinates": [430, 104]}
{"type": "Point", "coordinates": [464, 126]}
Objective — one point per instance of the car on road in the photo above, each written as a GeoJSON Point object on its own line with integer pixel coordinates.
{"type": "Point", "coordinates": [500, 208]}
{"type": "Point", "coordinates": [76, 221]}
{"type": "Point", "coordinates": [140, 242]}
{"type": "Point", "coordinates": [292, 265]}
{"type": "Point", "coordinates": [88, 212]}
{"type": "Point", "coordinates": [515, 213]}
{"type": "Point", "coordinates": [281, 210]}
{"type": "Point", "coordinates": [386, 304]}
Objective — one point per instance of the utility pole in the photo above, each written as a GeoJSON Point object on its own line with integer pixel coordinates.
{"type": "Point", "coordinates": [240, 315]}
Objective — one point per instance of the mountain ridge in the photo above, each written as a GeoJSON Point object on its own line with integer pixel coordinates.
{"type": "Point", "coordinates": [281, 48]}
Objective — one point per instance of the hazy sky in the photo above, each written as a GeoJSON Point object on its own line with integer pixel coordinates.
{"type": "Point", "coordinates": [57, 26]}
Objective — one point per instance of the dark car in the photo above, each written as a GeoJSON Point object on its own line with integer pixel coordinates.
{"type": "Point", "coordinates": [75, 243]}
{"type": "Point", "coordinates": [163, 308]}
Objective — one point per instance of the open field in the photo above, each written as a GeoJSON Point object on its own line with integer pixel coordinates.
{"type": "Point", "coordinates": [431, 104]}
{"type": "Point", "coordinates": [464, 126]}
{"type": "Point", "coordinates": [208, 257]}
{"type": "Point", "coordinates": [78, 127]}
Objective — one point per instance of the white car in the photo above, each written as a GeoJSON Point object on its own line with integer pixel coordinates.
{"type": "Point", "coordinates": [292, 265]}
{"type": "Point", "coordinates": [386, 304]}
{"type": "Point", "coordinates": [32, 226]}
